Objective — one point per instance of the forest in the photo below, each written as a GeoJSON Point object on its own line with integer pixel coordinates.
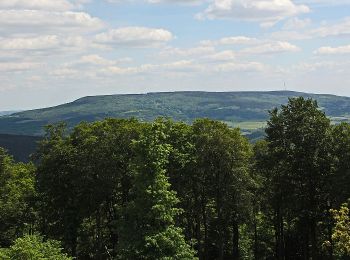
{"type": "Point", "coordinates": [128, 189]}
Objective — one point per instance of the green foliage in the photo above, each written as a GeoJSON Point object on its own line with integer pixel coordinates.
{"type": "Point", "coordinates": [149, 230]}
{"type": "Point", "coordinates": [33, 247]}
{"type": "Point", "coordinates": [341, 232]}
{"type": "Point", "coordinates": [83, 181]}
{"type": "Point", "coordinates": [300, 168]}
{"type": "Point", "coordinates": [124, 189]}
{"type": "Point", "coordinates": [240, 108]}
{"type": "Point", "coordinates": [16, 196]}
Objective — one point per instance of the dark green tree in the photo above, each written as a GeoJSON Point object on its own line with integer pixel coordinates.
{"type": "Point", "coordinates": [83, 179]}
{"type": "Point", "coordinates": [300, 152]}
{"type": "Point", "coordinates": [341, 154]}
{"type": "Point", "coordinates": [221, 187]}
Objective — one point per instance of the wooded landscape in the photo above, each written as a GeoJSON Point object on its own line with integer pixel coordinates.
{"type": "Point", "coordinates": [128, 189]}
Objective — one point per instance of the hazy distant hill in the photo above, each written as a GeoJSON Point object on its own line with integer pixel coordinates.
{"type": "Point", "coordinates": [248, 110]}
{"type": "Point", "coordinates": [5, 113]}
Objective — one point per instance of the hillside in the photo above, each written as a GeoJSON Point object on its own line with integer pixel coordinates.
{"type": "Point", "coordinates": [19, 146]}
{"type": "Point", "coordinates": [248, 110]}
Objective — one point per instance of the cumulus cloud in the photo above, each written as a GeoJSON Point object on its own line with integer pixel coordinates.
{"type": "Point", "coordinates": [222, 56]}
{"type": "Point", "coordinates": [267, 13]}
{"type": "Point", "coordinates": [186, 52]}
{"type": "Point", "coordinates": [52, 5]}
{"type": "Point", "coordinates": [233, 40]}
{"type": "Point", "coordinates": [337, 29]}
{"type": "Point", "coordinates": [35, 21]}
{"type": "Point", "coordinates": [30, 43]}
{"type": "Point", "coordinates": [323, 2]}
{"type": "Point", "coordinates": [18, 66]}
{"type": "Point", "coordinates": [241, 67]}
{"type": "Point", "coordinates": [186, 2]}
{"type": "Point", "coordinates": [271, 48]}
{"type": "Point", "coordinates": [333, 50]}
{"type": "Point", "coordinates": [139, 37]}
{"type": "Point", "coordinates": [297, 23]}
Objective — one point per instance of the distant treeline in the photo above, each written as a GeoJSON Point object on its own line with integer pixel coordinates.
{"type": "Point", "coordinates": [125, 189]}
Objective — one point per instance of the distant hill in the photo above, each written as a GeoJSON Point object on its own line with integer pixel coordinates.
{"type": "Point", "coordinates": [5, 113]}
{"type": "Point", "coordinates": [19, 146]}
{"type": "Point", "coordinates": [248, 110]}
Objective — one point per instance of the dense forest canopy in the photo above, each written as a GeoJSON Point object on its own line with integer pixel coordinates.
{"type": "Point", "coordinates": [127, 189]}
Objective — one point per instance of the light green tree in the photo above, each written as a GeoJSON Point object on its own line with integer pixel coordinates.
{"type": "Point", "coordinates": [33, 247]}
{"type": "Point", "coordinates": [149, 230]}
{"type": "Point", "coordinates": [341, 232]}
{"type": "Point", "coordinates": [16, 194]}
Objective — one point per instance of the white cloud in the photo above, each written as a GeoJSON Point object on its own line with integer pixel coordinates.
{"type": "Point", "coordinates": [134, 37]}
{"type": "Point", "coordinates": [186, 2]}
{"type": "Point", "coordinates": [35, 21]}
{"type": "Point", "coordinates": [184, 66]}
{"type": "Point", "coordinates": [241, 67]}
{"type": "Point", "coordinates": [337, 29]}
{"type": "Point", "coordinates": [222, 56]}
{"type": "Point", "coordinates": [95, 59]}
{"type": "Point", "coordinates": [266, 12]}
{"type": "Point", "coordinates": [333, 50]}
{"type": "Point", "coordinates": [186, 52]}
{"type": "Point", "coordinates": [233, 40]}
{"type": "Point", "coordinates": [296, 23]}
{"type": "Point", "coordinates": [32, 43]}
{"type": "Point", "coordinates": [64, 72]}
{"type": "Point", "coordinates": [17, 66]}
{"type": "Point", "coordinates": [271, 48]}
{"type": "Point", "coordinates": [323, 2]}
{"type": "Point", "coordinates": [52, 5]}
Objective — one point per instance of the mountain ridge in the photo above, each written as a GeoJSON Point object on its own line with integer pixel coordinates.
{"type": "Point", "coordinates": [249, 108]}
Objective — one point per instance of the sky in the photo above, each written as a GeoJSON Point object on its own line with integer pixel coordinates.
{"type": "Point", "coordinates": [55, 51]}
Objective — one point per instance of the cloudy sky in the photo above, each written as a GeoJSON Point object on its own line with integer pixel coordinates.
{"type": "Point", "coordinates": [54, 51]}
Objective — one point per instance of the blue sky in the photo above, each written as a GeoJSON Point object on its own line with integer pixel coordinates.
{"type": "Point", "coordinates": [54, 51]}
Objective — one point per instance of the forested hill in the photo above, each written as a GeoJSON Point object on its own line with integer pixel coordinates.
{"type": "Point", "coordinates": [19, 146]}
{"type": "Point", "coordinates": [247, 110]}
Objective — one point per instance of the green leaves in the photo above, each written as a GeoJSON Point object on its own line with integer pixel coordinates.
{"type": "Point", "coordinates": [33, 247]}
{"type": "Point", "coordinates": [148, 230]}
{"type": "Point", "coordinates": [16, 196]}
{"type": "Point", "coordinates": [341, 232]}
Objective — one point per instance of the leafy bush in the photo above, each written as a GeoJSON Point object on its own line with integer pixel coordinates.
{"type": "Point", "coordinates": [32, 247]}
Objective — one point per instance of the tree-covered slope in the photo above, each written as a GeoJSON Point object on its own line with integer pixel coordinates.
{"type": "Point", "coordinates": [245, 109]}
{"type": "Point", "coordinates": [19, 146]}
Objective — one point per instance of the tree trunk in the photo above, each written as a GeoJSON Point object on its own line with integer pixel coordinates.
{"type": "Point", "coordinates": [235, 240]}
{"type": "Point", "coordinates": [255, 238]}
{"type": "Point", "coordinates": [279, 233]}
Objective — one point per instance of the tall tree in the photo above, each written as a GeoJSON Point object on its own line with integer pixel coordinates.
{"type": "Point", "coordinates": [222, 187]}
{"type": "Point", "coordinates": [341, 153]}
{"type": "Point", "coordinates": [149, 230]}
{"type": "Point", "coordinates": [83, 179]}
{"type": "Point", "coordinates": [299, 144]}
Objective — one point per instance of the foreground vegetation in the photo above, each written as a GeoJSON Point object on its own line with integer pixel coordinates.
{"type": "Point", "coordinates": [125, 189]}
